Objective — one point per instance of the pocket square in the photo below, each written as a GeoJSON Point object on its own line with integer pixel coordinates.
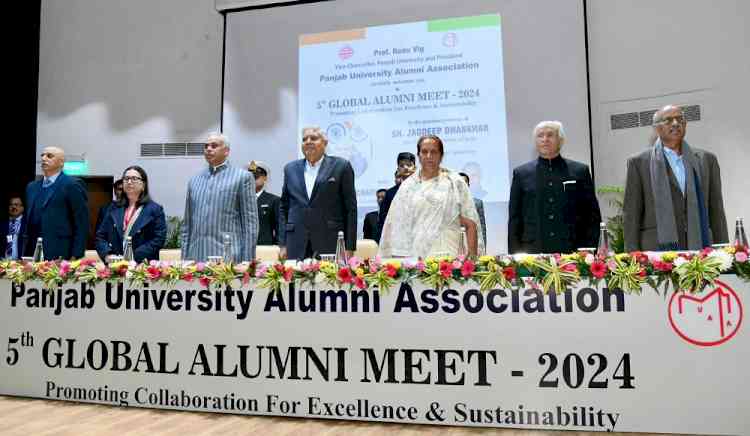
{"type": "Point", "coordinates": [332, 179]}
{"type": "Point", "coordinates": [568, 182]}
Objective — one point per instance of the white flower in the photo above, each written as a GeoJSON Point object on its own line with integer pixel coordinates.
{"type": "Point", "coordinates": [589, 258]}
{"type": "Point", "coordinates": [724, 257]}
{"type": "Point", "coordinates": [679, 261]}
{"type": "Point", "coordinates": [320, 277]}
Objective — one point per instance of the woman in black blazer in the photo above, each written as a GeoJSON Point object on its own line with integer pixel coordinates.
{"type": "Point", "coordinates": [135, 215]}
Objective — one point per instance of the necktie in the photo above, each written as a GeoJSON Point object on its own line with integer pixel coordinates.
{"type": "Point", "coordinates": [46, 183]}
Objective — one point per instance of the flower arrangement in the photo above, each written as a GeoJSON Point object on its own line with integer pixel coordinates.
{"type": "Point", "coordinates": [687, 271]}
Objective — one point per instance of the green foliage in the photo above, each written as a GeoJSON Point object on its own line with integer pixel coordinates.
{"type": "Point", "coordinates": [174, 225]}
{"type": "Point", "coordinates": [615, 223]}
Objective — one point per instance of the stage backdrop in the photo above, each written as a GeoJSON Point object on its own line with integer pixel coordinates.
{"type": "Point", "coordinates": [480, 74]}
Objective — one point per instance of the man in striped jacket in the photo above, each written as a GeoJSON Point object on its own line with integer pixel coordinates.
{"type": "Point", "coordinates": [220, 201]}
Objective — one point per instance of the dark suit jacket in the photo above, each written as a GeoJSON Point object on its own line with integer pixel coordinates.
{"type": "Point", "coordinates": [63, 218]}
{"type": "Point", "coordinates": [639, 212]}
{"type": "Point", "coordinates": [385, 206]}
{"type": "Point", "coordinates": [332, 207]}
{"type": "Point", "coordinates": [149, 232]}
{"type": "Point", "coordinates": [103, 213]}
{"type": "Point", "coordinates": [581, 216]}
{"type": "Point", "coordinates": [19, 236]}
{"type": "Point", "coordinates": [269, 219]}
{"type": "Point", "coordinates": [370, 228]}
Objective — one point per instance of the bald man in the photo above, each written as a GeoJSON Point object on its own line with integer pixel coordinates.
{"type": "Point", "coordinates": [57, 210]}
{"type": "Point", "coordinates": [673, 198]}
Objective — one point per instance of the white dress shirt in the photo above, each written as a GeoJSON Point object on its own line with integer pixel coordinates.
{"type": "Point", "coordinates": [311, 173]}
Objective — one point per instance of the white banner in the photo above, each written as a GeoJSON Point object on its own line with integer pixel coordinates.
{"type": "Point", "coordinates": [376, 90]}
{"type": "Point", "coordinates": [587, 360]}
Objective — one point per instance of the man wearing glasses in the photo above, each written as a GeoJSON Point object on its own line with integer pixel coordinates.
{"type": "Point", "coordinates": [220, 207]}
{"type": "Point", "coordinates": [673, 197]}
{"type": "Point", "coordinates": [11, 230]}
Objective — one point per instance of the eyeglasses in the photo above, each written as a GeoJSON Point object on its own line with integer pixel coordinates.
{"type": "Point", "coordinates": [132, 179]}
{"type": "Point", "coordinates": [669, 120]}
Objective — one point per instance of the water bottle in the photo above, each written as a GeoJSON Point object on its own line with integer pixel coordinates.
{"type": "Point", "coordinates": [603, 250]}
{"type": "Point", "coordinates": [740, 239]}
{"type": "Point", "coordinates": [341, 257]}
{"type": "Point", "coordinates": [463, 247]}
{"type": "Point", "coordinates": [39, 251]}
{"type": "Point", "coordinates": [127, 252]}
{"type": "Point", "coordinates": [227, 248]}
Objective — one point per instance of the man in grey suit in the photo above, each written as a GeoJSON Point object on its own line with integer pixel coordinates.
{"type": "Point", "coordinates": [479, 204]}
{"type": "Point", "coordinates": [220, 201]}
{"type": "Point", "coordinates": [317, 201]}
{"type": "Point", "coordinates": [673, 197]}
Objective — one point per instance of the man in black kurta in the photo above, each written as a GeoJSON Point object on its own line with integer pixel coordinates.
{"type": "Point", "coordinates": [553, 207]}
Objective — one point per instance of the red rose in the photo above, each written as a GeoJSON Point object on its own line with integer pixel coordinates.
{"type": "Point", "coordinates": [509, 273]}
{"type": "Point", "coordinates": [359, 282]}
{"type": "Point", "coordinates": [345, 275]}
{"type": "Point", "coordinates": [288, 274]}
{"type": "Point", "coordinates": [642, 273]}
{"type": "Point", "coordinates": [390, 270]}
{"type": "Point", "coordinates": [662, 266]}
{"type": "Point", "coordinates": [640, 257]}
{"type": "Point", "coordinates": [153, 272]}
{"type": "Point", "coordinates": [188, 277]}
{"type": "Point", "coordinates": [205, 281]}
{"type": "Point", "coordinates": [598, 269]}
{"type": "Point", "coordinates": [467, 268]}
{"type": "Point", "coordinates": [445, 269]}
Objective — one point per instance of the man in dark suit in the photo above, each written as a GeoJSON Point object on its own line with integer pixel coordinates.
{"type": "Point", "coordinates": [57, 210]}
{"type": "Point", "coordinates": [269, 224]}
{"type": "Point", "coordinates": [553, 207]}
{"type": "Point", "coordinates": [11, 230]}
{"type": "Point", "coordinates": [370, 229]}
{"type": "Point", "coordinates": [673, 198]}
{"type": "Point", "coordinates": [104, 210]}
{"type": "Point", "coordinates": [317, 201]}
{"type": "Point", "coordinates": [405, 167]}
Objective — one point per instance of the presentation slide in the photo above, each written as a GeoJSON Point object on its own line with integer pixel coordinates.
{"type": "Point", "coordinates": [375, 91]}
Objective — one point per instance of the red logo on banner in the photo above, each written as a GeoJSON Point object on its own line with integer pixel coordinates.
{"type": "Point", "coordinates": [346, 52]}
{"type": "Point", "coordinates": [709, 320]}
